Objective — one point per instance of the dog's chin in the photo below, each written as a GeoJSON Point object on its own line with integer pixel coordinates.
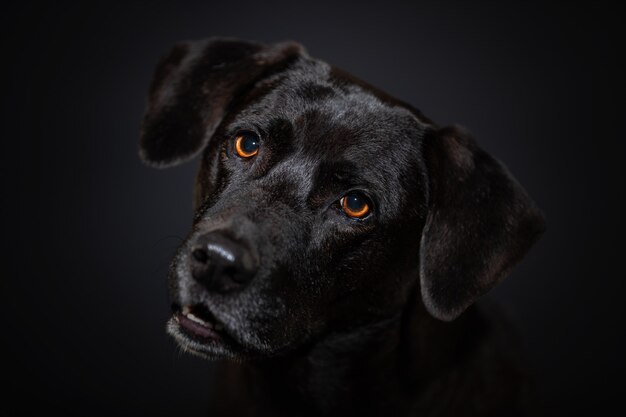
{"type": "Point", "coordinates": [198, 332]}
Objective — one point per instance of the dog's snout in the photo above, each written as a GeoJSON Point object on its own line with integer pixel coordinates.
{"type": "Point", "coordinates": [221, 263]}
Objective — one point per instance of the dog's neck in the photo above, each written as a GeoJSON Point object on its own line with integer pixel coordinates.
{"type": "Point", "coordinates": [374, 370]}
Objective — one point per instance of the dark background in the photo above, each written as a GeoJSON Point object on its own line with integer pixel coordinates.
{"type": "Point", "coordinates": [88, 231]}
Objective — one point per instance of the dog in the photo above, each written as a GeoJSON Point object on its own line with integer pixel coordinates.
{"type": "Point", "coordinates": [339, 242]}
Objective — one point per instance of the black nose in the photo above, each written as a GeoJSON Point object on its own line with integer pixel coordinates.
{"type": "Point", "coordinates": [221, 263]}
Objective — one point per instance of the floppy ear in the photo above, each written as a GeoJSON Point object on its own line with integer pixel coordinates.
{"type": "Point", "coordinates": [480, 223]}
{"type": "Point", "coordinates": [195, 85]}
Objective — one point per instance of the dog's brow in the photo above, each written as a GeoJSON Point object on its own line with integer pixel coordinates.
{"type": "Point", "coordinates": [332, 177]}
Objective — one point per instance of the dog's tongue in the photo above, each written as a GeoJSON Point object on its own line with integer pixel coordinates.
{"type": "Point", "coordinates": [196, 328]}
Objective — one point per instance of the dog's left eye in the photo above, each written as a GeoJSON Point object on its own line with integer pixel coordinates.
{"type": "Point", "coordinates": [356, 205]}
{"type": "Point", "coordinates": [247, 144]}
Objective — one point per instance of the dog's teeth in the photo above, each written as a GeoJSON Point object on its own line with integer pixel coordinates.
{"type": "Point", "coordinates": [186, 310]}
{"type": "Point", "coordinates": [194, 318]}
{"type": "Point", "coordinates": [198, 320]}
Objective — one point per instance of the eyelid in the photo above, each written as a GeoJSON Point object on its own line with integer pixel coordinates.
{"type": "Point", "coordinates": [238, 130]}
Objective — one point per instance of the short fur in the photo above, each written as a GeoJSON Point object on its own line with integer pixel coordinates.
{"type": "Point", "coordinates": [343, 316]}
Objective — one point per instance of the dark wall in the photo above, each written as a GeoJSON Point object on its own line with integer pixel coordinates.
{"type": "Point", "coordinates": [88, 231]}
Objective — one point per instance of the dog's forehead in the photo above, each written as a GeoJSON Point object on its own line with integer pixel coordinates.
{"type": "Point", "coordinates": [331, 116]}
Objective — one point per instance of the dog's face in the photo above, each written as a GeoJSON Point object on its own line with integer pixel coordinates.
{"type": "Point", "coordinates": [321, 203]}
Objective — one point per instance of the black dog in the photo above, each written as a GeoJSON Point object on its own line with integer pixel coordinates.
{"type": "Point", "coordinates": [338, 233]}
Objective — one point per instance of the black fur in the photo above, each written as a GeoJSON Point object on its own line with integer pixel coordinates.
{"type": "Point", "coordinates": [343, 316]}
{"type": "Point", "coordinates": [193, 86]}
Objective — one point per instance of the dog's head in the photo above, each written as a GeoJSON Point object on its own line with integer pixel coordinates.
{"type": "Point", "coordinates": [321, 202]}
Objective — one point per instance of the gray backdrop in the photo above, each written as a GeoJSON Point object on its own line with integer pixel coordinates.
{"type": "Point", "coordinates": [88, 231]}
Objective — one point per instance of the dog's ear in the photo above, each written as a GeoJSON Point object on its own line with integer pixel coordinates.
{"type": "Point", "coordinates": [195, 85]}
{"type": "Point", "coordinates": [479, 224]}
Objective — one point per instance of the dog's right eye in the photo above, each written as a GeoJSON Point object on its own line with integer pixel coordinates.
{"type": "Point", "coordinates": [247, 144]}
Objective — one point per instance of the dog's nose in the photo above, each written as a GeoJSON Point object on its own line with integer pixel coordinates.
{"type": "Point", "coordinates": [221, 263]}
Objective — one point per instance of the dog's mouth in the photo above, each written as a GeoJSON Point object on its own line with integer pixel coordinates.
{"type": "Point", "coordinates": [198, 322]}
{"type": "Point", "coordinates": [196, 329]}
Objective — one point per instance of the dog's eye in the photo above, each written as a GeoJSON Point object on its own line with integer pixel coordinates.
{"type": "Point", "coordinates": [247, 144]}
{"type": "Point", "coordinates": [355, 204]}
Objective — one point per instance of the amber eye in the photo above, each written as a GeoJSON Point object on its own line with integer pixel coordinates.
{"type": "Point", "coordinates": [355, 204]}
{"type": "Point", "coordinates": [247, 144]}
